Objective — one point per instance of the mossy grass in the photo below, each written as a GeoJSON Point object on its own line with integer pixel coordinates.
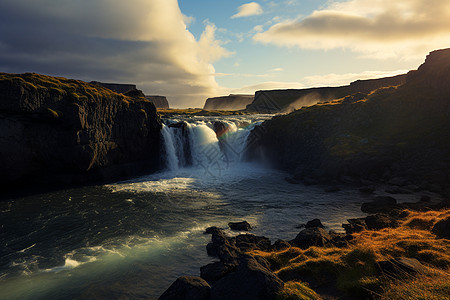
{"type": "Point", "coordinates": [354, 269]}
{"type": "Point", "coordinates": [294, 290]}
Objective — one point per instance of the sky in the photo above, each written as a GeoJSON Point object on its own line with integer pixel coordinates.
{"type": "Point", "coordinates": [189, 50]}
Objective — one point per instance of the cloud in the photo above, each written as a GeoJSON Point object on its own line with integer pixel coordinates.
{"type": "Point", "coordinates": [249, 9]}
{"type": "Point", "coordinates": [405, 29]}
{"type": "Point", "coordinates": [138, 41]}
{"type": "Point", "coordinates": [345, 79]}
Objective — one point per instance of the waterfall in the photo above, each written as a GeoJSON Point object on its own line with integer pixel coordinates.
{"type": "Point", "coordinates": [205, 142]}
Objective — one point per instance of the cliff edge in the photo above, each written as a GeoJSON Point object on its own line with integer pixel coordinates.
{"type": "Point", "coordinates": [57, 131]}
{"type": "Point", "coordinates": [230, 102]}
{"type": "Point", "coordinates": [396, 132]}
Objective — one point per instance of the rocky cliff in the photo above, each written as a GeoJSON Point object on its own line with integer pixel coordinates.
{"type": "Point", "coordinates": [59, 131]}
{"type": "Point", "coordinates": [158, 101]}
{"type": "Point", "coordinates": [231, 102]}
{"type": "Point", "coordinates": [396, 132]}
{"type": "Point", "coordinates": [275, 101]}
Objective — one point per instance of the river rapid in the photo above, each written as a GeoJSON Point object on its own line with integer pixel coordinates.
{"type": "Point", "coordinates": [132, 239]}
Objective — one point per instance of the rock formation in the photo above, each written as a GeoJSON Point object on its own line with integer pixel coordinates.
{"type": "Point", "coordinates": [116, 87]}
{"type": "Point", "coordinates": [158, 101]}
{"type": "Point", "coordinates": [231, 102]}
{"type": "Point", "coordinates": [57, 131]}
{"type": "Point", "coordinates": [275, 101]}
{"type": "Point", "coordinates": [397, 132]}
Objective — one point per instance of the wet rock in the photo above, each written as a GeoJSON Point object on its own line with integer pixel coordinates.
{"type": "Point", "coordinates": [380, 221]}
{"type": "Point", "coordinates": [187, 288]}
{"type": "Point", "coordinates": [222, 247]}
{"type": "Point", "coordinates": [442, 229]}
{"type": "Point", "coordinates": [240, 226]}
{"type": "Point", "coordinates": [248, 242]}
{"type": "Point", "coordinates": [379, 204]}
{"type": "Point", "coordinates": [308, 237]}
{"type": "Point", "coordinates": [214, 271]}
{"type": "Point", "coordinates": [355, 225]}
{"type": "Point", "coordinates": [314, 223]}
{"type": "Point", "coordinates": [280, 245]}
{"type": "Point", "coordinates": [401, 266]}
{"type": "Point", "coordinates": [249, 281]}
{"type": "Point", "coordinates": [213, 230]}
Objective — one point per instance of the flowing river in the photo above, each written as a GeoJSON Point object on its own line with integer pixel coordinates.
{"type": "Point", "coordinates": [132, 239]}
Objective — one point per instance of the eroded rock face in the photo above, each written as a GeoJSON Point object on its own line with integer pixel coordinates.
{"type": "Point", "coordinates": [60, 131]}
{"type": "Point", "coordinates": [187, 288]}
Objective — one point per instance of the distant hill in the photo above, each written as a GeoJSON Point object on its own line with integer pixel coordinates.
{"type": "Point", "coordinates": [231, 102]}
{"type": "Point", "coordinates": [395, 132]}
{"type": "Point", "coordinates": [275, 101]}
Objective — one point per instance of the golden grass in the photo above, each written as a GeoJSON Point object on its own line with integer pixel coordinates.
{"type": "Point", "coordinates": [294, 290]}
{"type": "Point", "coordinates": [354, 269]}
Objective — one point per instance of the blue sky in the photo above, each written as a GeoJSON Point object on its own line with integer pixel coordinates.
{"type": "Point", "coordinates": [189, 50]}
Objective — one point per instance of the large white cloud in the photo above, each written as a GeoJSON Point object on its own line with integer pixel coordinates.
{"type": "Point", "coordinates": [248, 9]}
{"type": "Point", "coordinates": [138, 41]}
{"type": "Point", "coordinates": [375, 28]}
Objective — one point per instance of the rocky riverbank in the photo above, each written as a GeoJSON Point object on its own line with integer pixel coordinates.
{"type": "Point", "coordinates": [399, 251]}
{"type": "Point", "coordinates": [397, 135]}
{"type": "Point", "coordinates": [61, 132]}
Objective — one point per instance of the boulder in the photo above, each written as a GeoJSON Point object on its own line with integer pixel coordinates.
{"type": "Point", "coordinates": [308, 237]}
{"type": "Point", "coordinates": [250, 281]}
{"type": "Point", "coordinates": [280, 245]}
{"type": "Point", "coordinates": [222, 247]}
{"type": "Point", "coordinates": [442, 229]}
{"type": "Point", "coordinates": [187, 288]}
{"type": "Point", "coordinates": [214, 271]}
{"type": "Point", "coordinates": [401, 266]}
{"type": "Point", "coordinates": [248, 242]}
{"type": "Point", "coordinates": [380, 221]}
{"type": "Point", "coordinates": [314, 223]}
{"type": "Point", "coordinates": [379, 204]}
{"type": "Point", "coordinates": [355, 225]}
{"type": "Point", "coordinates": [240, 226]}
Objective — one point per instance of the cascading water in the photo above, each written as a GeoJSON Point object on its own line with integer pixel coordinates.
{"type": "Point", "coordinates": [206, 142]}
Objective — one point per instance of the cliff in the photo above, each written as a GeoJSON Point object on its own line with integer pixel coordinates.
{"type": "Point", "coordinates": [116, 87]}
{"type": "Point", "coordinates": [275, 101]}
{"type": "Point", "coordinates": [231, 102]}
{"type": "Point", "coordinates": [56, 131]}
{"type": "Point", "coordinates": [396, 132]}
{"type": "Point", "coordinates": [158, 101]}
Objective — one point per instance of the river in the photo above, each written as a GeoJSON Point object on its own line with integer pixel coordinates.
{"type": "Point", "coordinates": [132, 239]}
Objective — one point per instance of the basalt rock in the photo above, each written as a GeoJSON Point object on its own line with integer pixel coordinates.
{"type": "Point", "coordinates": [240, 226]}
{"type": "Point", "coordinates": [315, 236]}
{"type": "Point", "coordinates": [56, 131]}
{"type": "Point", "coordinates": [187, 288]}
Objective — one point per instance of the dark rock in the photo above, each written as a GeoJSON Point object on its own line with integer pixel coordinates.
{"type": "Point", "coordinates": [308, 237]}
{"type": "Point", "coordinates": [222, 247]}
{"type": "Point", "coordinates": [314, 223]}
{"type": "Point", "coordinates": [248, 242]}
{"type": "Point", "coordinates": [187, 288]}
{"type": "Point", "coordinates": [249, 281]}
{"type": "Point", "coordinates": [399, 181]}
{"type": "Point", "coordinates": [70, 132]}
{"type": "Point", "coordinates": [214, 271]}
{"type": "Point", "coordinates": [355, 225]}
{"type": "Point", "coordinates": [401, 266]}
{"type": "Point", "coordinates": [332, 189]}
{"type": "Point", "coordinates": [300, 226]}
{"type": "Point", "coordinates": [442, 229]}
{"type": "Point", "coordinates": [380, 221]}
{"type": "Point", "coordinates": [231, 102]}
{"type": "Point", "coordinates": [262, 261]}
{"type": "Point", "coordinates": [240, 226]}
{"type": "Point", "coordinates": [213, 230]}
{"type": "Point", "coordinates": [379, 204]}
{"type": "Point", "coordinates": [280, 245]}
